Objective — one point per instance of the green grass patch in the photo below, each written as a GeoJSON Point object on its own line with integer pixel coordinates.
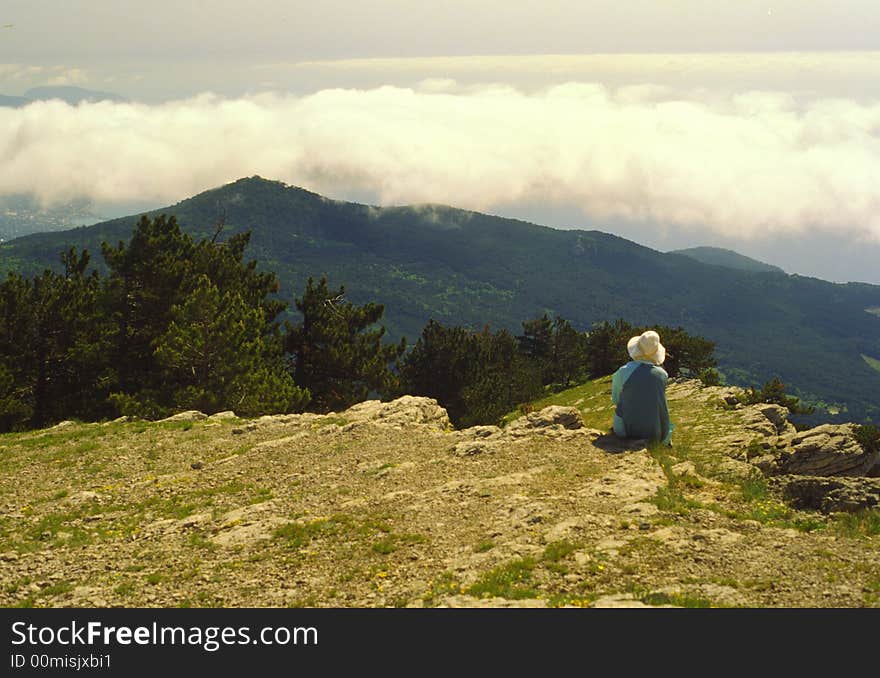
{"type": "Point", "coordinates": [554, 553]}
{"type": "Point", "coordinates": [557, 550]}
{"type": "Point", "coordinates": [753, 488]}
{"type": "Point", "coordinates": [592, 398]}
{"type": "Point", "coordinates": [768, 511]}
{"type": "Point", "coordinates": [172, 507]}
{"type": "Point", "coordinates": [377, 523]}
{"type": "Point", "coordinates": [861, 524]}
{"type": "Point", "coordinates": [174, 425]}
{"type": "Point", "coordinates": [297, 535]}
{"type": "Point", "coordinates": [57, 589]}
{"type": "Point", "coordinates": [262, 494]}
{"type": "Point", "coordinates": [673, 500]}
{"type": "Point", "coordinates": [646, 546]}
{"type": "Point", "coordinates": [232, 487]}
{"type": "Point", "coordinates": [15, 587]}
{"type": "Point", "coordinates": [46, 529]}
{"type": "Point", "coordinates": [444, 585]}
{"type": "Point", "coordinates": [200, 541]}
{"type": "Point", "coordinates": [125, 588]}
{"type": "Point", "coordinates": [330, 421]}
{"type": "Point", "coordinates": [85, 447]}
{"type": "Point", "coordinates": [483, 546]}
{"type": "Point", "coordinates": [506, 581]}
{"type": "Point", "coordinates": [384, 546]}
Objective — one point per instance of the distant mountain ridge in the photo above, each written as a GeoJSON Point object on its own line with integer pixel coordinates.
{"type": "Point", "coordinates": [13, 102]}
{"type": "Point", "coordinates": [718, 256]}
{"type": "Point", "coordinates": [70, 94]}
{"type": "Point", "coordinates": [464, 267]}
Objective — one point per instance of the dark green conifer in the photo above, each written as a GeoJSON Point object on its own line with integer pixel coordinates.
{"type": "Point", "coordinates": [338, 352]}
{"type": "Point", "coordinates": [216, 356]}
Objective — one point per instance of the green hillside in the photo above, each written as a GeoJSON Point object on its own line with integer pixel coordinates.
{"type": "Point", "coordinates": [464, 267]}
{"type": "Point", "coordinates": [718, 256]}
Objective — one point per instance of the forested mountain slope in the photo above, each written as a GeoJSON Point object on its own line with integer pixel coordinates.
{"type": "Point", "coordinates": [464, 267]}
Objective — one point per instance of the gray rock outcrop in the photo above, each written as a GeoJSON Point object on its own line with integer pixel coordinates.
{"type": "Point", "coordinates": [827, 450]}
{"type": "Point", "coordinates": [189, 415]}
{"type": "Point", "coordinates": [553, 418]}
{"type": "Point", "coordinates": [404, 411]}
{"type": "Point", "coordinates": [554, 421]}
{"type": "Point", "coordinates": [219, 416]}
{"type": "Point", "coordinates": [822, 468]}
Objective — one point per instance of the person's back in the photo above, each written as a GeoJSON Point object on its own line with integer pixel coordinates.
{"type": "Point", "coordinates": [638, 389]}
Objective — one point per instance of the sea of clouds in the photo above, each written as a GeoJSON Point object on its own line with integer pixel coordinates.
{"type": "Point", "coordinates": [747, 165]}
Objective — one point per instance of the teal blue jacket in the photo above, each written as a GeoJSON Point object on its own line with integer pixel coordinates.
{"type": "Point", "coordinates": [638, 389]}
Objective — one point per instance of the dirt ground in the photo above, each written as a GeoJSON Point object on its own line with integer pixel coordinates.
{"type": "Point", "coordinates": [360, 509]}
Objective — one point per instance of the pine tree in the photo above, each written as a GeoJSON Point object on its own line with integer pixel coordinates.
{"type": "Point", "coordinates": [79, 339]}
{"type": "Point", "coordinates": [537, 338]}
{"type": "Point", "coordinates": [338, 353]}
{"type": "Point", "coordinates": [686, 354]}
{"type": "Point", "coordinates": [214, 356]}
{"type": "Point", "coordinates": [145, 281]}
{"type": "Point", "coordinates": [606, 347]}
{"type": "Point", "coordinates": [439, 366]}
{"type": "Point", "coordinates": [773, 392]}
{"type": "Point", "coordinates": [17, 362]}
{"type": "Point", "coordinates": [568, 354]}
{"type": "Point", "coordinates": [476, 376]}
{"type": "Point", "coordinates": [195, 325]}
{"type": "Point", "coordinates": [52, 335]}
{"type": "Point", "coordinates": [500, 378]}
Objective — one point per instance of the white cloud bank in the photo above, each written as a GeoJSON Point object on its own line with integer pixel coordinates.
{"type": "Point", "coordinates": [745, 166]}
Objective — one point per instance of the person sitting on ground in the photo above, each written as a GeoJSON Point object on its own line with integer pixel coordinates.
{"type": "Point", "coordinates": [638, 389]}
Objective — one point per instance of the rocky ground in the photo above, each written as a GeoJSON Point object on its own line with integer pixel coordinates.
{"type": "Point", "coordinates": [386, 505]}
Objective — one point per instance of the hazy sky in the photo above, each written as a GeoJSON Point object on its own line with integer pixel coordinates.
{"type": "Point", "coordinates": [749, 124]}
{"type": "Point", "coordinates": [293, 29]}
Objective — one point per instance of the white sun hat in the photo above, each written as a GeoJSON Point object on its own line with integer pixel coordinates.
{"type": "Point", "coordinates": [647, 347]}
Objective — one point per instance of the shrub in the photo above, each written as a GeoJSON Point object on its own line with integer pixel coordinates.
{"type": "Point", "coordinates": [710, 377]}
{"type": "Point", "coordinates": [773, 392]}
{"type": "Point", "coordinates": [869, 438]}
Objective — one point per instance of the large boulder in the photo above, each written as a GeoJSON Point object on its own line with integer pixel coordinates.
{"type": "Point", "coordinates": [189, 415]}
{"type": "Point", "coordinates": [831, 494]}
{"type": "Point", "coordinates": [731, 396]}
{"type": "Point", "coordinates": [220, 416]}
{"type": "Point", "coordinates": [476, 432]}
{"type": "Point", "coordinates": [766, 419]}
{"type": "Point", "coordinates": [776, 415]}
{"type": "Point", "coordinates": [404, 411]}
{"type": "Point", "coordinates": [826, 450]}
{"type": "Point", "coordinates": [552, 418]}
